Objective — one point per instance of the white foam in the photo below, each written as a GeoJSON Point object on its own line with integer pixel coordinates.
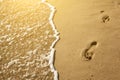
{"type": "Point", "coordinates": [57, 38]}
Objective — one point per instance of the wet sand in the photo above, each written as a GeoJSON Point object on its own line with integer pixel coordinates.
{"type": "Point", "coordinates": [27, 37]}
{"type": "Point", "coordinates": [88, 48]}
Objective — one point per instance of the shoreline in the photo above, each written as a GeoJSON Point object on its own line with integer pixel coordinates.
{"type": "Point", "coordinates": [57, 38]}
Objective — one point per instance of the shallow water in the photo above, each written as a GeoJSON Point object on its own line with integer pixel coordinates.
{"type": "Point", "coordinates": [27, 37]}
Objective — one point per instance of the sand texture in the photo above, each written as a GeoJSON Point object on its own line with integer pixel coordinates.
{"type": "Point", "coordinates": [89, 45]}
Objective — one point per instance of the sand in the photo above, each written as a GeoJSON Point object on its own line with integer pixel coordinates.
{"type": "Point", "coordinates": [88, 48]}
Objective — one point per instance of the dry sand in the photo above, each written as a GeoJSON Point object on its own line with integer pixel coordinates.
{"type": "Point", "coordinates": [90, 35]}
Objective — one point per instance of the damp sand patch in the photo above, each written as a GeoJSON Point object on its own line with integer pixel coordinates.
{"type": "Point", "coordinates": [27, 38]}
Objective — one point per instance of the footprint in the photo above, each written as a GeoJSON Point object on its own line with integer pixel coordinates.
{"type": "Point", "coordinates": [102, 11]}
{"type": "Point", "coordinates": [88, 52]}
{"type": "Point", "coordinates": [105, 18]}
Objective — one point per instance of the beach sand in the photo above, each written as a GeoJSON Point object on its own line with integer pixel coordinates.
{"type": "Point", "coordinates": [88, 48]}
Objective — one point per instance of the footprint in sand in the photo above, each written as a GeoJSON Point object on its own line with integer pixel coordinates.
{"type": "Point", "coordinates": [105, 18]}
{"type": "Point", "coordinates": [88, 53]}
